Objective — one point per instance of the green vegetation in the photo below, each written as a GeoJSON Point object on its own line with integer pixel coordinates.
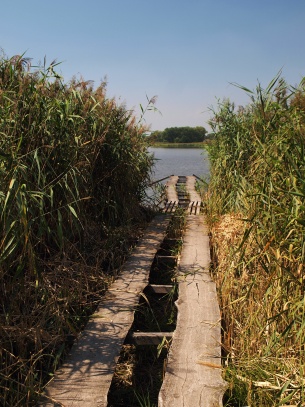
{"type": "Point", "coordinates": [73, 172]}
{"type": "Point", "coordinates": [256, 206]}
{"type": "Point", "coordinates": [178, 135]}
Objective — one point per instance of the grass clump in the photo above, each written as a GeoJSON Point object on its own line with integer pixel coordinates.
{"type": "Point", "coordinates": [73, 172]}
{"type": "Point", "coordinates": [256, 209]}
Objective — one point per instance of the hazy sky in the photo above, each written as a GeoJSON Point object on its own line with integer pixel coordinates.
{"type": "Point", "coordinates": [185, 51]}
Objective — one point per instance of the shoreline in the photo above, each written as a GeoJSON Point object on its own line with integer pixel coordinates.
{"type": "Point", "coordinates": [179, 145]}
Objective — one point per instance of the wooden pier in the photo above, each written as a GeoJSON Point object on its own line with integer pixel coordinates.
{"type": "Point", "coordinates": [181, 193]}
{"type": "Point", "coordinates": [193, 374]}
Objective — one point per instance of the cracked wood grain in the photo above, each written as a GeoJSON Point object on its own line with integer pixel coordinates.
{"type": "Point", "coordinates": [193, 374]}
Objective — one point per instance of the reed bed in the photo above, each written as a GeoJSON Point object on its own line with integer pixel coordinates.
{"type": "Point", "coordinates": [256, 211]}
{"type": "Point", "coordinates": [74, 169]}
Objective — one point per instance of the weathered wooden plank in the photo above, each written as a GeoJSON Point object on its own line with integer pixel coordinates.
{"type": "Point", "coordinates": [85, 378]}
{"type": "Point", "coordinates": [170, 206]}
{"type": "Point", "coordinates": [161, 289]}
{"type": "Point", "coordinates": [190, 187]}
{"type": "Point", "coordinates": [166, 261]}
{"type": "Point", "coordinates": [193, 374]}
{"type": "Point", "coordinates": [171, 192]}
{"type": "Point", "coordinates": [150, 338]}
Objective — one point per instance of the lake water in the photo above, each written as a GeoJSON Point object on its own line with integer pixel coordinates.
{"type": "Point", "coordinates": [180, 161]}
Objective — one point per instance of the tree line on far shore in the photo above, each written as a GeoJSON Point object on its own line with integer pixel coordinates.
{"type": "Point", "coordinates": [178, 135]}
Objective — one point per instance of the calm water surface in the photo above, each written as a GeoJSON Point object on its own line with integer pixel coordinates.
{"type": "Point", "coordinates": [180, 161]}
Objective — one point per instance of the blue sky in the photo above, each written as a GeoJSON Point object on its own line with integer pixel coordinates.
{"type": "Point", "coordinates": [187, 52]}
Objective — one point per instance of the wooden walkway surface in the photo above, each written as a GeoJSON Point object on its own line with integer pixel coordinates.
{"type": "Point", "coordinates": [193, 373]}
{"type": "Point", "coordinates": [85, 378]}
{"type": "Point", "coordinates": [171, 192]}
{"type": "Point", "coordinates": [180, 192]}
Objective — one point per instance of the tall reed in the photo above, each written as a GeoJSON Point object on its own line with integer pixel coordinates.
{"type": "Point", "coordinates": [257, 212]}
{"type": "Point", "coordinates": [73, 172]}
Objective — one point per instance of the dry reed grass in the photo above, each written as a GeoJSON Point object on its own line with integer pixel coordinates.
{"type": "Point", "coordinates": [256, 208]}
{"type": "Point", "coordinates": [74, 168]}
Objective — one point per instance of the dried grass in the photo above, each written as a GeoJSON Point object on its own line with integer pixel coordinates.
{"type": "Point", "coordinates": [256, 209]}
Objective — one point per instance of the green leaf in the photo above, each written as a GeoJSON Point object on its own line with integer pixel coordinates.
{"type": "Point", "coordinates": [12, 182]}
{"type": "Point", "coordinates": [273, 82]}
{"type": "Point", "coordinates": [241, 87]}
{"type": "Point", "coordinates": [73, 211]}
{"type": "Point", "coordinates": [9, 248]}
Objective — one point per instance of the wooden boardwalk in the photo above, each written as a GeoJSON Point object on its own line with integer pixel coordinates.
{"type": "Point", "coordinates": [171, 191]}
{"type": "Point", "coordinates": [187, 197]}
{"type": "Point", "coordinates": [85, 378]}
{"type": "Point", "coordinates": [193, 373]}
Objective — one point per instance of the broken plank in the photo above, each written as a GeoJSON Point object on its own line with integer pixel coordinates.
{"type": "Point", "coordinates": [166, 261]}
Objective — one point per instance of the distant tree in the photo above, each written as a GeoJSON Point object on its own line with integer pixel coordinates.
{"type": "Point", "coordinates": [179, 135]}
{"type": "Point", "coordinates": [155, 136]}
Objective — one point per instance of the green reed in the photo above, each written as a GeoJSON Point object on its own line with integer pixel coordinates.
{"type": "Point", "coordinates": [257, 177]}
{"type": "Point", "coordinates": [73, 172]}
